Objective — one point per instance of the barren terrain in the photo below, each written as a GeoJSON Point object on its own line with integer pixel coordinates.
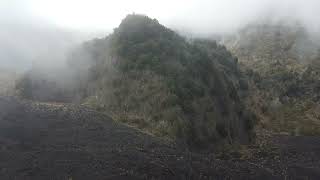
{"type": "Point", "coordinates": [64, 141]}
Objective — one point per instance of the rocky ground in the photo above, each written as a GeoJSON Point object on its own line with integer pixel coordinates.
{"type": "Point", "coordinates": [64, 141]}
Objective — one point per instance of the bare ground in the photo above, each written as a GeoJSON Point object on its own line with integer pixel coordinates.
{"type": "Point", "coordinates": [60, 141]}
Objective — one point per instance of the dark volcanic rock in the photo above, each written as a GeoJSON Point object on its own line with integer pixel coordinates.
{"type": "Point", "coordinates": [58, 141]}
{"type": "Point", "coordinates": [41, 141]}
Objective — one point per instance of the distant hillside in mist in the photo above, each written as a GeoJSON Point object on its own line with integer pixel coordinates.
{"type": "Point", "coordinates": [282, 60]}
{"type": "Point", "coordinates": [7, 82]}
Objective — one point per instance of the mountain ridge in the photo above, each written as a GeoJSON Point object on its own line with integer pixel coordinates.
{"type": "Point", "coordinates": [147, 75]}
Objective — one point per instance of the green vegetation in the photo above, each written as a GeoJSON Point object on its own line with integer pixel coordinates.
{"type": "Point", "coordinates": [148, 76]}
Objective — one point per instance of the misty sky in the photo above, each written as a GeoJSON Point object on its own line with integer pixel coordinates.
{"type": "Point", "coordinates": [43, 30]}
{"type": "Point", "coordinates": [194, 15]}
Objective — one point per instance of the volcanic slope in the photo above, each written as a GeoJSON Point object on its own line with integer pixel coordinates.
{"type": "Point", "coordinates": [63, 141]}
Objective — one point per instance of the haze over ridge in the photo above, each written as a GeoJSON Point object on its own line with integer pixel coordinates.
{"type": "Point", "coordinates": [33, 29]}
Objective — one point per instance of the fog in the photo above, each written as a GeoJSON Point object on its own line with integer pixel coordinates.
{"type": "Point", "coordinates": [42, 31]}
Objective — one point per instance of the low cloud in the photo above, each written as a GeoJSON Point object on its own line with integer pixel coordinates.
{"type": "Point", "coordinates": [42, 31]}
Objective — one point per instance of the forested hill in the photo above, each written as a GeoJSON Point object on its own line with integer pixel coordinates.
{"type": "Point", "coordinates": [148, 76]}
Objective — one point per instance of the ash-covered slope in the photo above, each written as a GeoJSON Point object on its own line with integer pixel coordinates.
{"type": "Point", "coordinates": [281, 61]}
{"type": "Point", "coordinates": [64, 141]}
{"type": "Point", "coordinates": [148, 76]}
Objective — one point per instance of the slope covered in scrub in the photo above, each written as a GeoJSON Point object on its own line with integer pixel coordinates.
{"type": "Point", "coordinates": [281, 60]}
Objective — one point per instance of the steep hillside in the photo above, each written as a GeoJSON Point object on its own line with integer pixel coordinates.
{"type": "Point", "coordinates": [148, 76]}
{"type": "Point", "coordinates": [281, 60]}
